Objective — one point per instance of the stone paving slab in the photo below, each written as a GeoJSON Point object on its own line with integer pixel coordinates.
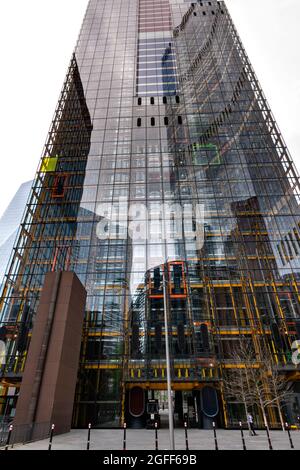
{"type": "Point", "coordinates": [142, 439]}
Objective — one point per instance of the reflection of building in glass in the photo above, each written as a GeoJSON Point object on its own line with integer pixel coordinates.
{"type": "Point", "coordinates": [9, 225]}
{"type": "Point", "coordinates": [47, 237]}
{"type": "Point", "coordinates": [161, 106]}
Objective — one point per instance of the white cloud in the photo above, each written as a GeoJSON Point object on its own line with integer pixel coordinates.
{"type": "Point", "coordinates": [270, 33]}
{"type": "Point", "coordinates": [37, 39]}
{"type": "Point", "coordinates": [36, 42]}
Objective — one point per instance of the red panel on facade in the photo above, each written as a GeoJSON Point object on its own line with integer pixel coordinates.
{"type": "Point", "coordinates": [136, 401]}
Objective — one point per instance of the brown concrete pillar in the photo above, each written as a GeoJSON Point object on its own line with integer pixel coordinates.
{"type": "Point", "coordinates": [49, 379]}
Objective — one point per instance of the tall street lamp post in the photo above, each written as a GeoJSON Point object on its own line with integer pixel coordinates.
{"type": "Point", "coordinates": [169, 384]}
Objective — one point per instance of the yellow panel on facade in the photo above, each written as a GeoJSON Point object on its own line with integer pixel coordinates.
{"type": "Point", "coordinates": [49, 164]}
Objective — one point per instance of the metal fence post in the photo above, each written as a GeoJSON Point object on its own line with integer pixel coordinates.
{"type": "Point", "coordinates": [186, 436]}
{"type": "Point", "coordinates": [51, 437]}
{"type": "Point", "coordinates": [9, 436]}
{"type": "Point", "coordinates": [124, 436]}
{"type": "Point", "coordinates": [289, 434]}
{"type": "Point", "coordinates": [242, 434]}
{"type": "Point", "coordinates": [89, 437]}
{"type": "Point", "coordinates": [215, 436]}
{"type": "Point", "coordinates": [156, 436]}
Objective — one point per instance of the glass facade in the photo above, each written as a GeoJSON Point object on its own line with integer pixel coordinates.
{"type": "Point", "coordinates": [163, 164]}
{"type": "Point", "coordinates": [9, 225]}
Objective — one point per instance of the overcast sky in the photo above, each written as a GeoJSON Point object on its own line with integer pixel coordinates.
{"type": "Point", "coordinates": [37, 38]}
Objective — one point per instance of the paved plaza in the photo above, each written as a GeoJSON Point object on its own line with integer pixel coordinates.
{"type": "Point", "coordinates": [143, 439]}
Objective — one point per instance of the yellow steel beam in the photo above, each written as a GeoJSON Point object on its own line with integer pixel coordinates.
{"type": "Point", "coordinates": [240, 366]}
{"type": "Point", "coordinates": [104, 333]}
{"type": "Point", "coordinates": [103, 366]}
{"type": "Point", "coordinates": [176, 386]}
{"type": "Point", "coordinates": [294, 376]}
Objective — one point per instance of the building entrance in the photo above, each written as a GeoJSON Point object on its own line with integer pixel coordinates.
{"type": "Point", "coordinates": [199, 408]}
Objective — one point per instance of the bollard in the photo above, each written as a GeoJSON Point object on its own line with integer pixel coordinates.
{"type": "Point", "coordinates": [89, 437]}
{"type": "Point", "coordinates": [51, 437]}
{"type": "Point", "coordinates": [9, 436]}
{"type": "Point", "coordinates": [242, 433]}
{"type": "Point", "coordinates": [289, 434]}
{"type": "Point", "coordinates": [156, 436]}
{"type": "Point", "coordinates": [186, 436]}
{"type": "Point", "coordinates": [124, 437]}
{"type": "Point", "coordinates": [215, 436]}
{"type": "Point", "coordinates": [269, 439]}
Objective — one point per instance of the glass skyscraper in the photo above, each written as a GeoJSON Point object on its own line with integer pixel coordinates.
{"type": "Point", "coordinates": [164, 184]}
{"type": "Point", "coordinates": [9, 225]}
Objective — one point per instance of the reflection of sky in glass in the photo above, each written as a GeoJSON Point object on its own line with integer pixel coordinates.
{"type": "Point", "coordinates": [155, 58]}
{"type": "Point", "coordinates": [156, 67]}
{"type": "Point", "coordinates": [9, 225]}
